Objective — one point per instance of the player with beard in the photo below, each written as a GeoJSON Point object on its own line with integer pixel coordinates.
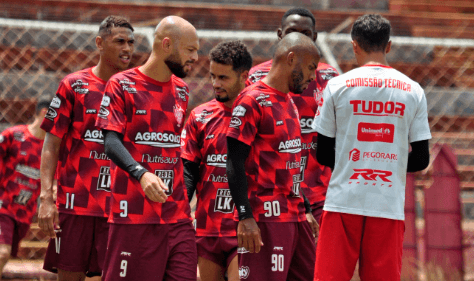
{"type": "Point", "coordinates": [83, 169]}
{"type": "Point", "coordinates": [204, 159]}
{"type": "Point", "coordinates": [314, 178]}
{"type": "Point", "coordinates": [368, 110]}
{"type": "Point", "coordinates": [20, 151]}
{"type": "Point", "coordinates": [263, 165]}
{"type": "Point", "coordinates": [142, 114]}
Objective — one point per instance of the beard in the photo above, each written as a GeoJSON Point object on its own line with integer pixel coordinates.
{"type": "Point", "coordinates": [222, 99]}
{"type": "Point", "coordinates": [173, 63]}
{"type": "Point", "coordinates": [297, 78]}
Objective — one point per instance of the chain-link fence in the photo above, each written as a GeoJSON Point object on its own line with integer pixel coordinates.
{"type": "Point", "coordinates": [35, 56]}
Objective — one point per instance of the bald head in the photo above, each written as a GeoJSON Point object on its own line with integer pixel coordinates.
{"type": "Point", "coordinates": [176, 43]}
{"type": "Point", "coordinates": [174, 27]}
{"type": "Point", "coordinates": [295, 62]}
{"type": "Point", "coordinates": [296, 43]}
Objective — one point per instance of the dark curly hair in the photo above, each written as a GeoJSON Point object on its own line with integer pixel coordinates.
{"type": "Point", "coordinates": [298, 11]}
{"type": "Point", "coordinates": [110, 22]}
{"type": "Point", "coordinates": [372, 32]}
{"type": "Point", "coordinates": [233, 53]}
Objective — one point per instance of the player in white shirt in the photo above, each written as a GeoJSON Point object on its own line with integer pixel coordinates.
{"type": "Point", "coordinates": [369, 119]}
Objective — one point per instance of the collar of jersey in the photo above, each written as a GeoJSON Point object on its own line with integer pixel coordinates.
{"type": "Point", "coordinates": [273, 89]}
{"type": "Point", "coordinates": [376, 65]}
{"type": "Point", "coordinates": [151, 80]}
{"type": "Point", "coordinates": [95, 77]}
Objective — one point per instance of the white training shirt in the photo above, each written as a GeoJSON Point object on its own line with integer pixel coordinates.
{"type": "Point", "coordinates": [374, 112]}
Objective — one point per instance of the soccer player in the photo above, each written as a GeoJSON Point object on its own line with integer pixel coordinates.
{"type": "Point", "coordinates": [204, 158]}
{"type": "Point", "coordinates": [20, 151]}
{"type": "Point", "coordinates": [83, 170]}
{"type": "Point", "coordinates": [313, 178]}
{"type": "Point", "coordinates": [142, 114]}
{"type": "Point", "coordinates": [263, 167]}
{"type": "Point", "coordinates": [371, 115]}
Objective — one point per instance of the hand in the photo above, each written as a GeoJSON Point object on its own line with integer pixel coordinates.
{"type": "Point", "coordinates": [313, 223]}
{"type": "Point", "coordinates": [153, 187]}
{"type": "Point", "coordinates": [48, 217]}
{"type": "Point", "coordinates": [248, 235]}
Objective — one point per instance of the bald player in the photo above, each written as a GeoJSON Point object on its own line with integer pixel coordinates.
{"type": "Point", "coordinates": [263, 160]}
{"type": "Point", "coordinates": [151, 236]}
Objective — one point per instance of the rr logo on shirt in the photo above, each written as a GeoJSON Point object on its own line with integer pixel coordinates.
{"type": "Point", "coordinates": [167, 177]}
{"type": "Point", "coordinates": [371, 175]}
{"type": "Point", "coordinates": [224, 203]}
{"type": "Point", "coordinates": [103, 182]}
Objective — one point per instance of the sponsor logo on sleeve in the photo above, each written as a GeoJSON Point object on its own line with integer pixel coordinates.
{"type": "Point", "coordinates": [55, 102]}
{"type": "Point", "coordinates": [239, 111]}
{"type": "Point", "coordinates": [105, 101]}
{"type": "Point", "coordinates": [235, 122]}
{"type": "Point", "coordinates": [127, 86]}
{"type": "Point", "coordinates": [327, 73]}
{"type": "Point", "coordinates": [375, 132]}
{"type": "Point", "coordinates": [183, 137]}
{"type": "Point", "coordinates": [182, 92]}
{"type": "Point", "coordinates": [223, 203]}
{"type": "Point", "coordinates": [103, 111]}
{"type": "Point", "coordinates": [51, 114]}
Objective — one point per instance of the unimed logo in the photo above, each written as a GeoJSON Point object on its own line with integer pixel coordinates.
{"type": "Point", "coordinates": [354, 155]}
{"type": "Point", "coordinates": [371, 175]}
{"type": "Point", "coordinates": [373, 132]}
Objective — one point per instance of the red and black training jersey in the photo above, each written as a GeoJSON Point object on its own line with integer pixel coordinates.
{"type": "Point", "coordinates": [267, 121]}
{"type": "Point", "coordinates": [150, 116]}
{"type": "Point", "coordinates": [205, 143]}
{"type": "Point", "coordinates": [83, 169]}
{"type": "Point", "coordinates": [314, 177]}
{"type": "Point", "coordinates": [20, 185]}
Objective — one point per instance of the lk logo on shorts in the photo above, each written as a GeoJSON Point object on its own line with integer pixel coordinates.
{"type": "Point", "coordinates": [224, 203]}
{"type": "Point", "coordinates": [167, 177]}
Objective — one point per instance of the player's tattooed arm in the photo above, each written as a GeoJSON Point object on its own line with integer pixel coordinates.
{"type": "Point", "coordinates": [152, 185]}
{"type": "Point", "coordinates": [48, 216]}
{"type": "Point", "coordinates": [419, 156]}
{"type": "Point", "coordinates": [191, 176]}
{"type": "Point", "coordinates": [326, 151]}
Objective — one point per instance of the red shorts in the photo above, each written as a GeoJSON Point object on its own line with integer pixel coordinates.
{"type": "Point", "coordinates": [288, 253]}
{"type": "Point", "coordinates": [11, 232]}
{"type": "Point", "coordinates": [219, 250]}
{"type": "Point", "coordinates": [151, 252]}
{"type": "Point", "coordinates": [345, 238]}
{"type": "Point", "coordinates": [80, 245]}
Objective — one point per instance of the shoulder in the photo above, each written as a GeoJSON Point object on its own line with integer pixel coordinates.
{"type": "Point", "coordinates": [326, 68]}
{"type": "Point", "coordinates": [205, 107]}
{"type": "Point", "coordinates": [75, 77]}
{"type": "Point", "coordinates": [178, 81]}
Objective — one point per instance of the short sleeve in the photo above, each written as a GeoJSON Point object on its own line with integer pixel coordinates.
{"type": "Point", "coordinates": [325, 119]}
{"type": "Point", "coordinates": [246, 116]}
{"type": "Point", "coordinates": [58, 118]}
{"type": "Point", "coordinates": [420, 128]}
{"type": "Point", "coordinates": [112, 109]}
{"type": "Point", "coordinates": [190, 149]}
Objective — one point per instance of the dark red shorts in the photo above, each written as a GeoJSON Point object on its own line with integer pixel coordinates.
{"type": "Point", "coordinates": [345, 238]}
{"type": "Point", "coordinates": [317, 210]}
{"type": "Point", "coordinates": [288, 253]}
{"type": "Point", "coordinates": [151, 252]}
{"type": "Point", "coordinates": [80, 245]}
{"type": "Point", "coordinates": [219, 250]}
{"type": "Point", "coordinates": [11, 232]}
